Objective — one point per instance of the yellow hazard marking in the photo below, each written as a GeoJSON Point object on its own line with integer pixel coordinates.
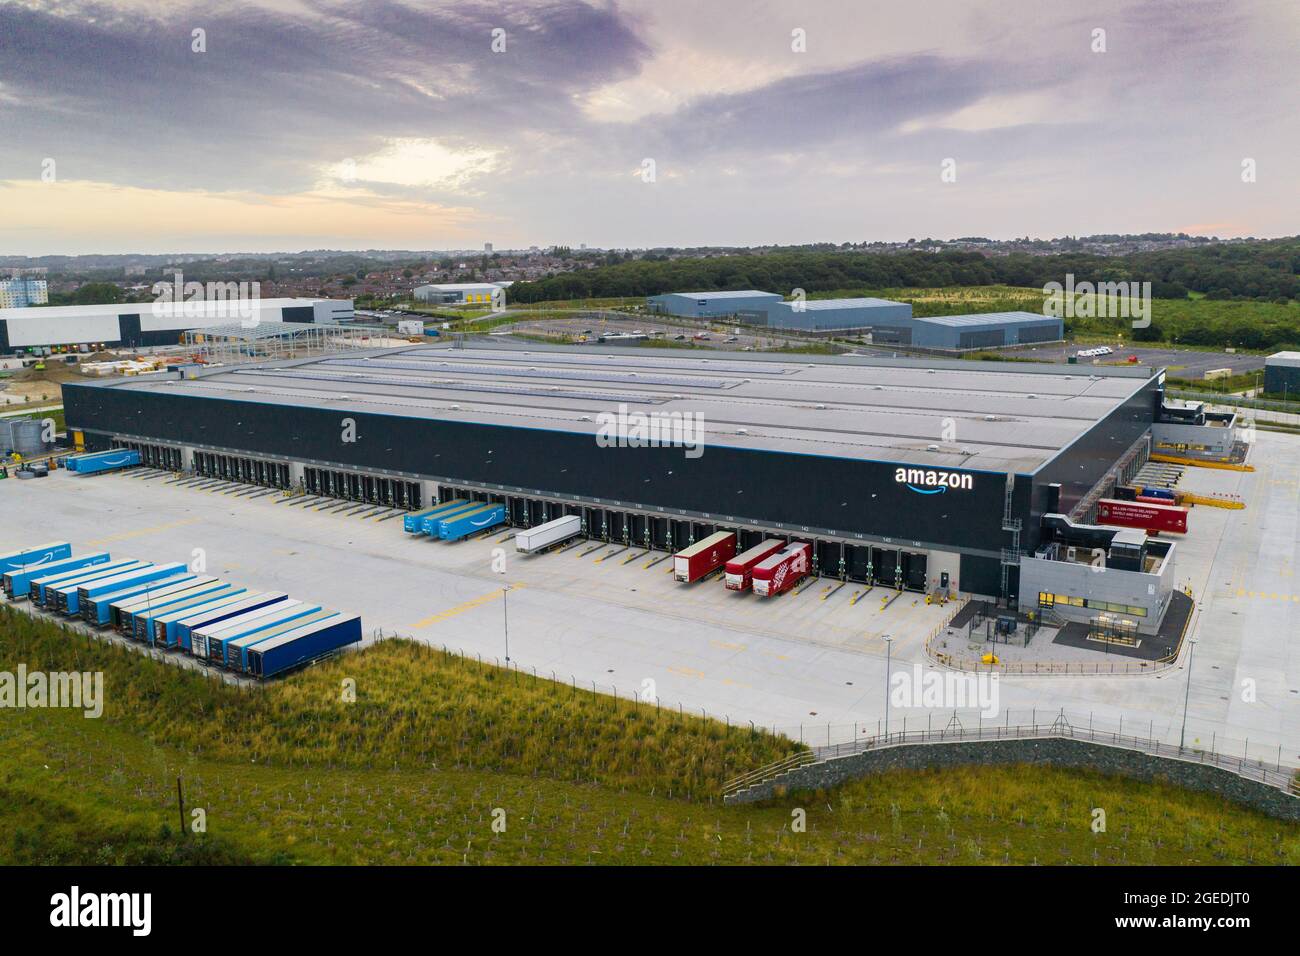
{"type": "Point", "coordinates": [687, 671]}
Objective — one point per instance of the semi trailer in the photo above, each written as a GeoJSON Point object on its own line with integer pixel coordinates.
{"type": "Point", "coordinates": [1149, 517]}
{"type": "Point", "coordinates": [25, 558]}
{"type": "Point", "coordinates": [142, 622]}
{"type": "Point", "coordinates": [414, 523]}
{"type": "Point", "coordinates": [283, 613]}
{"type": "Point", "coordinates": [100, 461]}
{"type": "Point", "coordinates": [66, 595]}
{"type": "Point", "coordinates": [304, 644]}
{"type": "Point", "coordinates": [167, 592]}
{"type": "Point", "coordinates": [704, 556]}
{"type": "Point", "coordinates": [237, 649]}
{"type": "Point", "coordinates": [17, 583]}
{"type": "Point", "coordinates": [783, 570]}
{"type": "Point", "coordinates": [173, 630]}
{"type": "Point", "coordinates": [41, 590]}
{"type": "Point", "coordinates": [467, 522]}
{"type": "Point", "coordinates": [95, 599]}
{"type": "Point", "coordinates": [740, 569]}
{"type": "Point", "coordinates": [429, 525]}
{"type": "Point", "coordinates": [203, 639]}
{"type": "Point", "coordinates": [545, 535]}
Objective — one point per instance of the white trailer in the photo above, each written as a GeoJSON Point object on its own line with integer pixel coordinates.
{"type": "Point", "coordinates": [544, 535]}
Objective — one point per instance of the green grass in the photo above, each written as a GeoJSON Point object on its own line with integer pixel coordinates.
{"type": "Point", "coordinates": [414, 770]}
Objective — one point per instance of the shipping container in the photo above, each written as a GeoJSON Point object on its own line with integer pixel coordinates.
{"type": "Point", "coordinates": [62, 598]}
{"type": "Point", "coordinates": [1149, 517]}
{"type": "Point", "coordinates": [143, 621]}
{"type": "Point", "coordinates": [166, 630]}
{"type": "Point", "coordinates": [783, 570]}
{"type": "Point", "coordinates": [468, 522]}
{"type": "Point", "coordinates": [305, 644]}
{"type": "Point", "coordinates": [740, 569]}
{"type": "Point", "coordinates": [704, 556]}
{"type": "Point", "coordinates": [414, 523]}
{"type": "Point", "coordinates": [18, 582]}
{"type": "Point", "coordinates": [544, 535]}
{"type": "Point", "coordinates": [95, 600]}
{"type": "Point", "coordinates": [236, 649]}
{"type": "Point", "coordinates": [102, 461]}
{"type": "Point", "coordinates": [30, 558]}
{"type": "Point", "coordinates": [120, 612]}
{"type": "Point", "coordinates": [41, 590]}
{"type": "Point", "coordinates": [429, 525]}
{"type": "Point", "coordinates": [203, 640]}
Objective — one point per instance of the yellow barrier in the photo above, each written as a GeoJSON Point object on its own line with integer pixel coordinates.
{"type": "Point", "coordinates": [1202, 463]}
{"type": "Point", "coordinates": [1212, 501]}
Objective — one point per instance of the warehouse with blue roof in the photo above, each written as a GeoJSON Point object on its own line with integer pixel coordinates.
{"type": "Point", "coordinates": [888, 322]}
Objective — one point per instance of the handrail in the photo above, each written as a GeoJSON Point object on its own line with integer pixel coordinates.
{"type": "Point", "coordinates": [767, 772]}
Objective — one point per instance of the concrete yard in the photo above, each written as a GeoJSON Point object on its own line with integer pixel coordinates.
{"type": "Point", "coordinates": [810, 664]}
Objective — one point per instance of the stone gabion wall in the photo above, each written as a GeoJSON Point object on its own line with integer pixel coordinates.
{"type": "Point", "coordinates": [1050, 752]}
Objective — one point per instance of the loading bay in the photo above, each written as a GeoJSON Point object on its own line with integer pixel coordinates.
{"type": "Point", "coordinates": [811, 663]}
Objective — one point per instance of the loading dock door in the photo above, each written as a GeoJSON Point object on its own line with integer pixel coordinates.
{"type": "Point", "coordinates": [618, 526]}
{"type": "Point", "coordinates": [914, 570]}
{"type": "Point", "coordinates": [636, 529]}
{"type": "Point", "coordinates": [659, 528]}
{"type": "Point", "coordinates": [856, 559]}
{"type": "Point", "coordinates": [681, 535]}
{"type": "Point", "coordinates": [828, 558]}
{"type": "Point", "coordinates": [536, 512]}
{"type": "Point", "coordinates": [884, 562]}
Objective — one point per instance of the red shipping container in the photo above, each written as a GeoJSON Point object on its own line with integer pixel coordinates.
{"type": "Point", "coordinates": [1140, 514]}
{"type": "Point", "coordinates": [704, 556]}
{"type": "Point", "coordinates": [783, 570]}
{"type": "Point", "coordinates": [740, 569]}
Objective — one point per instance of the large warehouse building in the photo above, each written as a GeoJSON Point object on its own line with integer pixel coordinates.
{"type": "Point", "coordinates": [920, 476]}
{"type": "Point", "coordinates": [887, 322]}
{"type": "Point", "coordinates": [1282, 374]}
{"type": "Point", "coordinates": [145, 324]}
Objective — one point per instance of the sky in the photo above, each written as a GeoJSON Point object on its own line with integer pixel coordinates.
{"type": "Point", "coordinates": [283, 125]}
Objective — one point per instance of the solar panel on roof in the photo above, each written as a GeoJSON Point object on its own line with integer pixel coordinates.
{"type": "Point", "coordinates": [585, 375]}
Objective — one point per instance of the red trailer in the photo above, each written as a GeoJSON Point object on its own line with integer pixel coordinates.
{"type": "Point", "coordinates": [1140, 514]}
{"type": "Point", "coordinates": [740, 569]}
{"type": "Point", "coordinates": [783, 570]}
{"type": "Point", "coordinates": [704, 556]}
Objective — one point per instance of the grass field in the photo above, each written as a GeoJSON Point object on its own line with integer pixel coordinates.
{"type": "Point", "coordinates": [436, 748]}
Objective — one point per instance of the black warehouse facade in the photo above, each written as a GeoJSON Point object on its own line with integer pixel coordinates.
{"type": "Point", "coordinates": [905, 474]}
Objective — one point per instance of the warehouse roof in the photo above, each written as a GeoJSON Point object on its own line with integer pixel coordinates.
{"type": "Point", "coordinates": [1287, 359]}
{"type": "Point", "coordinates": [741, 294]}
{"type": "Point", "coordinates": [203, 308]}
{"type": "Point", "coordinates": [940, 413]}
{"type": "Point", "coordinates": [986, 318]}
{"type": "Point", "coordinates": [814, 305]}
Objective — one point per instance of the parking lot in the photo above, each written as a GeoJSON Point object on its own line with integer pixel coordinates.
{"type": "Point", "coordinates": [1181, 363]}
{"type": "Point", "coordinates": [616, 619]}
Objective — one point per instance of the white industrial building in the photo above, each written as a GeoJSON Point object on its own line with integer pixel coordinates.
{"type": "Point", "coordinates": [145, 324]}
{"type": "Point", "coordinates": [459, 293]}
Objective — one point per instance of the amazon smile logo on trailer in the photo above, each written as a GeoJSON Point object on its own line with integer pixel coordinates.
{"type": "Point", "coordinates": [926, 481]}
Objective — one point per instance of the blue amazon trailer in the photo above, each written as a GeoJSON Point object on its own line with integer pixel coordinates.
{"type": "Point", "coordinates": [166, 592]}
{"type": "Point", "coordinates": [201, 638]}
{"type": "Point", "coordinates": [17, 583]}
{"type": "Point", "coordinates": [25, 558]}
{"type": "Point", "coordinates": [100, 461]}
{"type": "Point", "coordinates": [177, 632]}
{"type": "Point", "coordinates": [95, 599]}
{"type": "Point", "coordinates": [62, 597]}
{"type": "Point", "coordinates": [219, 646]}
{"type": "Point", "coordinates": [237, 649]}
{"type": "Point", "coordinates": [429, 525]}
{"type": "Point", "coordinates": [305, 644]}
{"type": "Point", "coordinates": [141, 624]}
{"type": "Point", "coordinates": [468, 522]}
{"type": "Point", "coordinates": [41, 590]}
{"type": "Point", "coordinates": [414, 523]}
{"type": "Point", "coordinates": [165, 629]}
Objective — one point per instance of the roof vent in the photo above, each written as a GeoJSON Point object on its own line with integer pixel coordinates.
{"type": "Point", "coordinates": [1031, 395]}
{"type": "Point", "coordinates": [929, 371]}
{"type": "Point", "coordinates": [931, 447]}
{"type": "Point", "coordinates": [586, 418]}
{"type": "Point", "coordinates": [821, 406]}
{"type": "Point", "coordinates": [877, 388]}
{"type": "Point", "coordinates": [990, 418]}
{"type": "Point", "coordinates": [742, 431]}
{"type": "Point", "coordinates": [455, 408]}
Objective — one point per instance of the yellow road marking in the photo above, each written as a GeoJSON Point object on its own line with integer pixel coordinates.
{"type": "Point", "coordinates": [140, 532]}
{"type": "Point", "coordinates": [462, 608]}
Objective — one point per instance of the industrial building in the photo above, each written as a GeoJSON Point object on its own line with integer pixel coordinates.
{"type": "Point", "coordinates": [145, 324]}
{"type": "Point", "coordinates": [926, 477]}
{"type": "Point", "coordinates": [459, 293]}
{"type": "Point", "coordinates": [1282, 374]}
{"type": "Point", "coordinates": [885, 321]}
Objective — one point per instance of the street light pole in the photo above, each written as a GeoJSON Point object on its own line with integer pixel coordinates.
{"type": "Point", "coordinates": [505, 618]}
{"type": "Point", "coordinates": [889, 648]}
{"type": "Point", "coordinates": [1182, 738]}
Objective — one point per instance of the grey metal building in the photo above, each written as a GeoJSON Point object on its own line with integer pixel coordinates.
{"type": "Point", "coordinates": [1282, 373]}
{"type": "Point", "coordinates": [747, 305]}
